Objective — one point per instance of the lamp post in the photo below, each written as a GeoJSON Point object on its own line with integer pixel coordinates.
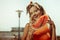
{"type": "Point", "coordinates": [19, 13]}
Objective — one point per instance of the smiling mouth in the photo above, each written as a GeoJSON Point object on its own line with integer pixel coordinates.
{"type": "Point", "coordinates": [34, 17]}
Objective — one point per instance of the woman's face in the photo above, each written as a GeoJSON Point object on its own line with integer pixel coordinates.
{"type": "Point", "coordinates": [34, 13]}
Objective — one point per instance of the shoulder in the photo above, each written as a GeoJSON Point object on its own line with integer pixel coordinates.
{"type": "Point", "coordinates": [52, 24]}
{"type": "Point", "coordinates": [26, 28]}
{"type": "Point", "coordinates": [27, 25]}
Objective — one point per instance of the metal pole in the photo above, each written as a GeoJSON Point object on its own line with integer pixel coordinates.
{"type": "Point", "coordinates": [19, 12]}
{"type": "Point", "coordinates": [19, 29]}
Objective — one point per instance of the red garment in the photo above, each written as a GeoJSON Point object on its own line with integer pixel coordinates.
{"type": "Point", "coordinates": [42, 33]}
{"type": "Point", "coordinates": [41, 21]}
{"type": "Point", "coordinates": [41, 37]}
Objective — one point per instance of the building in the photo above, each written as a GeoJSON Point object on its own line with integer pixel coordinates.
{"type": "Point", "coordinates": [11, 35]}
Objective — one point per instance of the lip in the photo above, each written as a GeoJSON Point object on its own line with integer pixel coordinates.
{"type": "Point", "coordinates": [35, 16]}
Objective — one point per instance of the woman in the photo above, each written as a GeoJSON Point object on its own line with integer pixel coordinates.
{"type": "Point", "coordinates": [40, 26]}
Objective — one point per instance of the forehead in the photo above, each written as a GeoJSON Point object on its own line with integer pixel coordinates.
{"type": "Point", "coordinates": [33, 8]}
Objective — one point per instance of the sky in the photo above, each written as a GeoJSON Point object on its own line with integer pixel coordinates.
{"type": "Point", "coordinates": [9, 16]}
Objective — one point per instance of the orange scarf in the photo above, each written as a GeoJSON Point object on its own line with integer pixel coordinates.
{"type": "Point", "coordinates": [41, 21]}
{"type": "Point", "coordinates": [42, 33]}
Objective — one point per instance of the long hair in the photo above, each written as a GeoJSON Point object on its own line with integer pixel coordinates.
{"type": "Point", "coordinates": [39, 7]}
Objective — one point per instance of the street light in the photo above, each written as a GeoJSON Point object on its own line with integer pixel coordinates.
{"type": "Point", "coordinates": [19, 13]}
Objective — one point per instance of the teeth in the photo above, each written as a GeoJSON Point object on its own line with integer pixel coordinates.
{"type": "Point", "coordinates": [35, 16]}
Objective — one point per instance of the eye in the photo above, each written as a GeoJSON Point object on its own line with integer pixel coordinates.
{"type": "Point", "coordinates": [35, 10]}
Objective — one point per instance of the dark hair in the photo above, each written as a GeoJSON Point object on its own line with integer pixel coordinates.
{"type": "Point", "coordinates": [31, 5]}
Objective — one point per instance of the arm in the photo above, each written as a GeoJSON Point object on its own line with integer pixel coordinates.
{"type": "Point", "coordinates": [53, 30]}
{"type": "Point", "coordinates": [25, 31]}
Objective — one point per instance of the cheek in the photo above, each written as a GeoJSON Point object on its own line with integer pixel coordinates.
{"type": "Point", "coordinates": [38, 12]}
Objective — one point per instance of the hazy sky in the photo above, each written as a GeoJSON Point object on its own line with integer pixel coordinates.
{"type": "Point", "coordinates": [9, 16]}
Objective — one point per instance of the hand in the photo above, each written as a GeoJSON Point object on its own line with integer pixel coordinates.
{"type": "Point", "coordinates": [36, 32]}
{"type": "Point", "coordinates": [31, 31]}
